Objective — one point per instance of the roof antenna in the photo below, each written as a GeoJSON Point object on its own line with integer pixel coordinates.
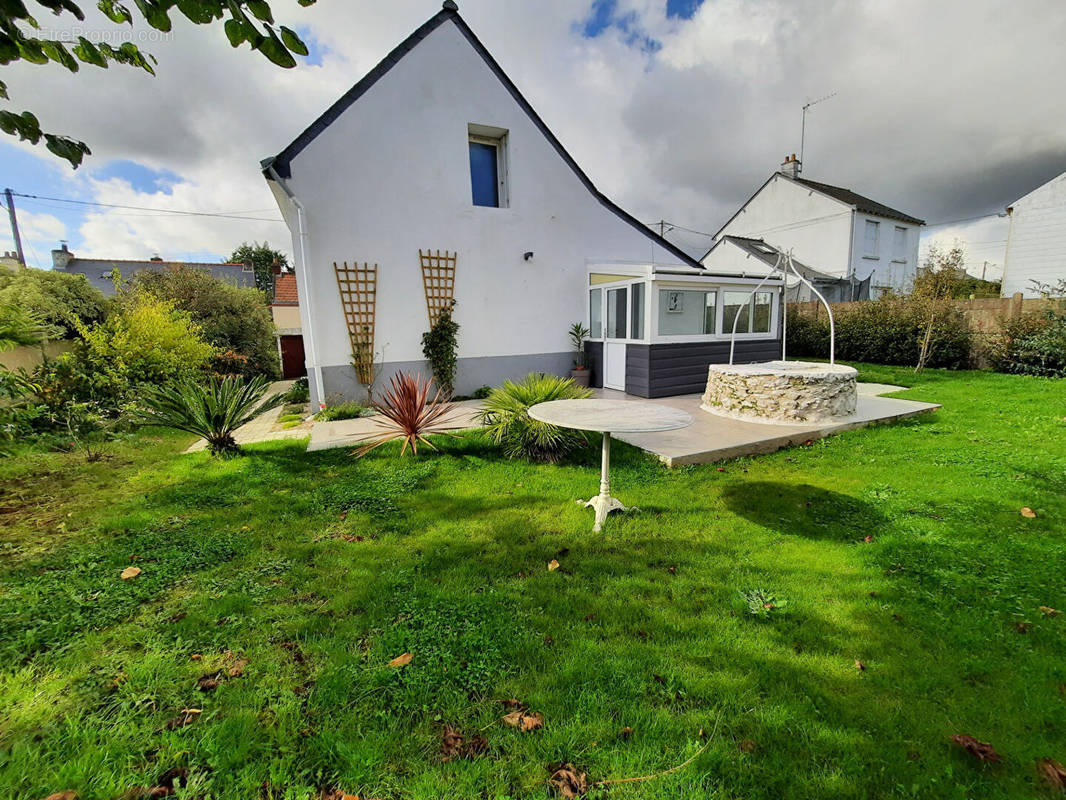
{"type": "Point", "coordinates": [803, 127]}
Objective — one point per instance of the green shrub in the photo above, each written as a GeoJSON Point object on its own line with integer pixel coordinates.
{"type": "Point", "coordinates": [507, 420]}
{"type": "Point", "coordinates": [235, 320]}
{"type": "Point", "coordinates": [1033, 344]}
{"type": "Point", "coordinates": [440, 346]}
{"type": "Point", "coordinates": [885, 331]}
{"type": "Point", "coordinates": [144, 342]}
{"type": "Point", "coordinates": [58, 300]}
{"type": "Point", "coordinates": [343, 411]}
{"type": "Point", "coordinates": [299, 392]}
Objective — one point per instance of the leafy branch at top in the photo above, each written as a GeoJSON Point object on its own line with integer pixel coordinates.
{"type": "Point", "coordinates": [248, 21]}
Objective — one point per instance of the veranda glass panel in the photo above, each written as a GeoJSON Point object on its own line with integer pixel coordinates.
{"type": "Point", "coordinates": [596, 313]}
{"type": "Point", "coordinates": [616, 313]}
{"type": "Point", "coordinates": [710, 313]}
{"type": "Point", "coordinates": [763, 307]}
{"type": "Point", "coordinates": [636, 311]}
{"type": "Point", "coordinates": [736, 304]}
{"type": "Point", "coordinates": [684, 312]}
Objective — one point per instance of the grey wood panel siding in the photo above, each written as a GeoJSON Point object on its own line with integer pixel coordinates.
{"type": "Point", "coordinates": [664, 370]}
{"type": "Point", "coordinates": [594, 351]}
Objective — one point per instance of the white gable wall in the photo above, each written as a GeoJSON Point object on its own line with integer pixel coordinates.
{"type": "Point", "coordinates": [788, 215]}
{"type": "Point", "coordinates": [391, 175]}
{"type": "Point", "coordinates": [1036, 241]}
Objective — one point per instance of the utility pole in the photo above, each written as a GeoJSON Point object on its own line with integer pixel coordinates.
{"type": "Point", "coordinates": [803, 125]}
{"type": "Point", "coordinates": [14, 226]}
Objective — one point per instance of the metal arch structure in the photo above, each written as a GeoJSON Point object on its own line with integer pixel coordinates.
{"type": "Point", "coordinates": [791, 267]}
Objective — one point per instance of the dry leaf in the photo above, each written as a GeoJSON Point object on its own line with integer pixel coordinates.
{"type": "Point", "coordinates": [1023, 627]}
{"type": "Point", "coordinates": [69, 794]}
{"type": "Point", "coordinates": [196, 656]}
{"type": "Point", "coordinates": [130, 572]}
{"type": "Point", "coordinates": [868, 538]}
{"type": "Point", "coordinates": [1028, 513]}
{"type": "Point", "coordinates": [860, 666]}
{"type": "Point", "coordinates": [524, 720]}
{"type": "Point", "coordinates": [1053, 773]}
{"type": "Point", "coordinates": [454, 745]}
{"type": "Point", "coordinates": [982, 751]}
{"type": "Point", "coordinates": [401, 661]}
{"type": "Point", "coordinates": [553, 565]}
{"type": "Point", "coordinates": [747, 745]}
{"type": "Point", "coordinates": [625, 733]}
{"type": "Point", "coordinates": [238, 668]}
{"type": "Point", "coordinates": [513, 703]}
{"type": "Point", "coordinates": [568, 782]}
{"type": "Point", "coordinates": [1048, 611]}
{"type": "Point", "coordinates": [187, 717]}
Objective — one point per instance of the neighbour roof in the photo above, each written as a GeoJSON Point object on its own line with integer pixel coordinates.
{"type": "Point", "coordinates": [282, 163]}
{"type": "Point", "coordinates": [98, 270]}
{"type": "Point", "coordinates": [864, 204]}
{"type": "Point", "coordinates": [285, 289]}
{"type": "Point", "coordinates": [767, 253]}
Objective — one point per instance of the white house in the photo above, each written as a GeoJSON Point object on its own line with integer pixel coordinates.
{"type": "Point", "coordinates": [436, 150]}
{"type": "Point", "coordinates": [833, 230]}
{"type": "Point", "coordinates": [1036, 239]}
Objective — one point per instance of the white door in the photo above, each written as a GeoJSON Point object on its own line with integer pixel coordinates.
{"type": "Point", "coordinates": [614, 339]}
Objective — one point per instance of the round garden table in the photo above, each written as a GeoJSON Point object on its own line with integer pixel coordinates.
{"type": "Point", "coordinates": [607, 417]}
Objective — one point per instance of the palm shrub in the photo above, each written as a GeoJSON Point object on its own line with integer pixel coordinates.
{"type": "Point", "coordinates": [406, 411]}
{"type": "Point", "coordinates": [507, 421]}
{"type": "Point", "coordinates": [211, 410]}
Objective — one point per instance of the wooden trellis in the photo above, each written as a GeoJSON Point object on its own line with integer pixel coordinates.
{"type": "Point", "coordinates": [438, 279]}
{"type": "Point", "coordinates": [358, 288]}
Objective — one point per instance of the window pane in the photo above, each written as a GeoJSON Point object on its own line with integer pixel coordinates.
{"type": "Point", "coordinates": [736, 304]}
{"type": "Point", "coordinates": [899, 244]}
{"type": "Point", "coordinates": [483, 175]}
{"type": "Point", "coordinates": [710, 313]}
{"type": "Point", "coordinates": [873, 232]}
{"type": "Point", "coordinates": [616, 313]}
{"type": "Point", "coordinates": [684, 312]}
{"type": "Point", "coordinates": [636, 311]}
{"type": "Point", "coordinates": [763, 307]}
{"type": "Point", "coordinates": [596, 313]}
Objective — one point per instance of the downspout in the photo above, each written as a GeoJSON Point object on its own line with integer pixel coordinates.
{"type": "Point", "coordinates": [301, 227]}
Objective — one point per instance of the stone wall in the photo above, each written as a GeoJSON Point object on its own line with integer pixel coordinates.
{"type": "Point", "coordinates": [789, 392]}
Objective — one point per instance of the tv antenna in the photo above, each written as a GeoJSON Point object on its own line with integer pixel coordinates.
{"type": "Point", "coordinates": [803, 126]}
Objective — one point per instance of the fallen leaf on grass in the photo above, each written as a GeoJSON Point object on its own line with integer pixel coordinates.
{"type": "Point", "coordinates": [513, 703]}
{"type": "Point", "coordinates": [860, 666]}
{"type": "Point", "coordinates": [625, 733]}
{"type": "Point", "coordinates": [982, 751]}
{"type": "Point", "coordinates": [747, 745]}
{"type": "Point", "coordinates": [567, 781]}
{"type": "Point", "coordinates": [1053, 773]}
{"type": "Point", "coordinates": [1023, 627]}
{"type": "Point", "coordinates": [130, 572]}
{"type": "Point", "coordinates": [553, 565]}
{"type": "Point", "coordinates": [209, 682]}
{"type": "Point", "coordinates": [401, 660]}
{"type": "Point", "coordinates": [868, 538]}
{"type": "Point", "coordinates": [237, 670]}
{"type": "Point", "coordinates": [187, 717]}
{"type": "Point", "coordinates": [1048, 611]}
{"type": "Point", "coordinates": [1028, 513]}
{"type": "Point", "coordinates": [196, 657]}
{"type": "Point", "coordinates": [525, 721]}
{"type": "Point", "coordinates": [69, 794]}
{"type": "Point", "coordinates": [454, 745]}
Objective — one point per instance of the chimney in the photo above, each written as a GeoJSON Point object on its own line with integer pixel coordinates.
{"type": "Point", "coordinates": [791, 167]}
{"type": "Point", "coordinates": [62, 256]}
{"type": "Point", "coordinates": [275, 268]}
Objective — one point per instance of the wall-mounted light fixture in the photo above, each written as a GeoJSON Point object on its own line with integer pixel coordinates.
{"type": "Point", "coordinates": [528, 255]}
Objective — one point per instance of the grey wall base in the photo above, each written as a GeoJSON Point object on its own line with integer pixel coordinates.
{"type": "Point", "coordinates": [340, 384]}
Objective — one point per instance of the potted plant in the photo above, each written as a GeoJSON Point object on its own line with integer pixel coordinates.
{"type": "Point", "coordinates": [580, 373]}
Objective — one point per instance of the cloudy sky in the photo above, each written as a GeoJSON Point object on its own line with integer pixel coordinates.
{"type": "Point", "coordinates": [677, 109]}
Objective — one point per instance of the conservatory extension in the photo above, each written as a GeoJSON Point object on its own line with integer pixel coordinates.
{"type": "Point", "coordinates": [656, 328]}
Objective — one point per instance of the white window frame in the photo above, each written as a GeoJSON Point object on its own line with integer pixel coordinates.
{"type": "Point", "coordinates": [899, 258]}
{"type": "Point", "coordinates": [774, 290]}
{"type": "Point", "coordinates": [875, 255]}
{"type": "Point", "coordinates": [494, 137]}
{"type": "Point", "coordinates": [629, 309]}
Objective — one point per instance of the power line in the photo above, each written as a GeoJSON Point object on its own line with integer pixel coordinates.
{"type": "Point", "coordinates": [179, 212]}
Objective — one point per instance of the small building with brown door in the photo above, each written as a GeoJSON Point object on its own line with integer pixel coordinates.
{"type": "Point", "coordinates": [285, 308]}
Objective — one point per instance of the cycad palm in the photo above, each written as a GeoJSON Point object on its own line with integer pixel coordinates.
{"type": "Point", "coordinates": [507, 421]}
{"type": "Point", "coordinates": [212, 411]}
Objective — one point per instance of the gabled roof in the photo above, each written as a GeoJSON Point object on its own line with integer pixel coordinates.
{"type": "Point", "coordinates": [285, 293]}
{"type": "Point", "coordinates": [767, 253]}
{"type": "Point", "coordinates": [282, 162]}
{"type": "Point", "coordinates": [856, 200]}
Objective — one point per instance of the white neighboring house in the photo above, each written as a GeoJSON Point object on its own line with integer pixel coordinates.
{"type": "Point", "coordinates": [436, 149]}
{"type": "Point", "coordinates": [1036, 239]}
{"type": "Point", "coordinates": [831, 229]}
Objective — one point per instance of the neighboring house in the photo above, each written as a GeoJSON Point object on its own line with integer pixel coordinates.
{"type": "Point", "coordinates": [748, 258]}
{"type": "Point", "coordinates": [9, 262]}
{"type": "Point", "coordinates": [437, 150]}
{"type": "Point", "coordinates": [1036, 239]}
{"type": "Point", "coordinates": [833, 230]}
{"type": "Point", "coordinates": [285, 308]}
{"type": "Point", "coordinates": [99, 271]}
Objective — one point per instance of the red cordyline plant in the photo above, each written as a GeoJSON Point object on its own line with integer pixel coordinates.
{"type": "Point", "coordinates": [408, 413]}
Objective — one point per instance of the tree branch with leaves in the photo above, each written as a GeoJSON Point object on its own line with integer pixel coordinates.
{"type": "Point", "coordinates": [246, 21]}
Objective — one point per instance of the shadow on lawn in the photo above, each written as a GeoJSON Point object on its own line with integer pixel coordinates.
{"type": "Point", "coordinates": [804, 510]}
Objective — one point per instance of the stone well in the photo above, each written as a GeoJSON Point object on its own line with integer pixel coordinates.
{"type": "Point", "coordinates": [781, 391]}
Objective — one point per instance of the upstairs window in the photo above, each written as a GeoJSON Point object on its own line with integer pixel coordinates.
{"type": "Point", "coordinates": [871, 239]}
{"type": "Point", "coordinates": [899, 244]}
{"type": "Point", "coordinates": [488, 166]}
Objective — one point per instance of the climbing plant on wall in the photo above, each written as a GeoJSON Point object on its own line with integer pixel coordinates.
{"type": "Point", "coordinates": [440, 346]}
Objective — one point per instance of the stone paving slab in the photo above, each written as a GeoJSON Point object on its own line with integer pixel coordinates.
{"type": "Point", "coordinates": [354, 432]}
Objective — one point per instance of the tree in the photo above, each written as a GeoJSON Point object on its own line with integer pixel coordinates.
{"type": "Point", "coordinates": [934, 287]}
{"type": "Point", "coordinates": [58, 300]}
{"type": "Point", "coordinates": [262, 258]}
{"type": "Point", "coordinates": [233, 319]}
{"type": "Point", "coordinates": [19, 327]}
{"type": "Point", "coordinates": [19, 42]}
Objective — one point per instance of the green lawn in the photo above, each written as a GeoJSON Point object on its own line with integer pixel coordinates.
{"type": "Point", "coordinates": [898, 547]}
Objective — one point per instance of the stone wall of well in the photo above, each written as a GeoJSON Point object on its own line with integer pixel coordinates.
{"type": "Point", "coordinates": [788, 394]}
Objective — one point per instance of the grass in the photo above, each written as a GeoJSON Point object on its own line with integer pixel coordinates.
{"type": "Point", "coordinates": [318, 569]}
